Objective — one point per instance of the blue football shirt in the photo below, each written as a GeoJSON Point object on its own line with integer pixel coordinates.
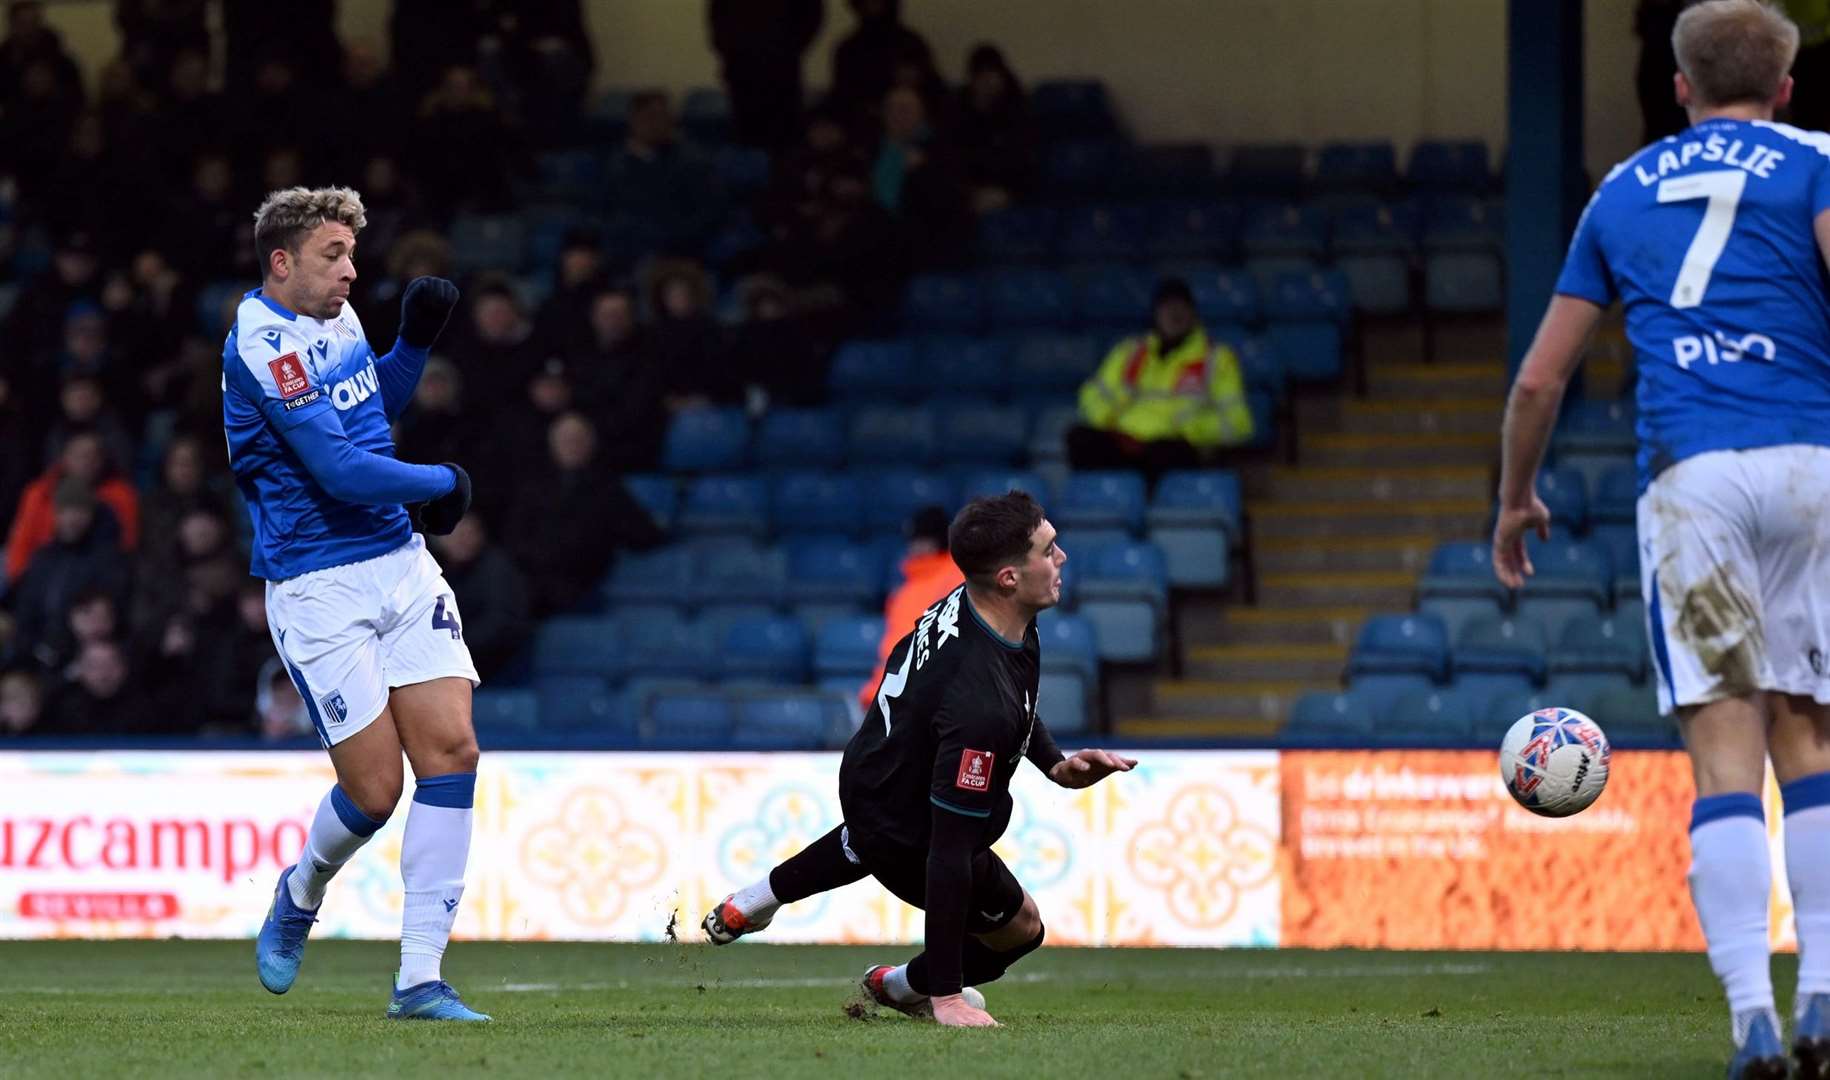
{"type": "Point", "coordinates": [1706, 237]}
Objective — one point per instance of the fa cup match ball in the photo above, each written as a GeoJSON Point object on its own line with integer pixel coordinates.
{"type": "Point", "coordinates": [1555, 761]}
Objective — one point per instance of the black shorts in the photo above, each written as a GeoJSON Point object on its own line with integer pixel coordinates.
{"type": "Point", "coordinates": [996, 894]}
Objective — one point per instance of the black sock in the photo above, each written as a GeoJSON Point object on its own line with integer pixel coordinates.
{"type": "Point", "coordinates": [819, 867]}
{"type": "Point", "coordinates": [979, 963]}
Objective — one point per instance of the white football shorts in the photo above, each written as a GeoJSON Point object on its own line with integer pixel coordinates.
{"type": "Point", "coordinates": [349, 634]}
{"type": "Point", "coordinates": [1735, 568]}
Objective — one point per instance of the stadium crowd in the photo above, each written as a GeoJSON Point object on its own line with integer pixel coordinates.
{"type": "Point", "coordinates": [125, 239]}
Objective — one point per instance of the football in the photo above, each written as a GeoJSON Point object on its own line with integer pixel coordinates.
{"type": "Point", "coordinates": [1555, 761]}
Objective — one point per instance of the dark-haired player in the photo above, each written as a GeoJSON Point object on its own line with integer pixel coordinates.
{"type": "Point", "coordinates": [925, 782]}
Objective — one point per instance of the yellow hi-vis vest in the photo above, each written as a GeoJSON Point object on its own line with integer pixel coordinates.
{"type": "Point", "coordinates": [1193, 394]}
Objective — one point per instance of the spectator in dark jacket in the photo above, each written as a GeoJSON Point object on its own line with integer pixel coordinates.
{"type": "Point", "coordinates": [864, 65]}
{"type": "Point", "coordinates": [918, 179]}
{"type": "Point", "coordinates": [994, 132]}
{"type": "Point", "coordinates": [80, 558]}
{"type": "Point", "coordinates": [17, 453]}
{"type": "Point", "coordinates": [490, 592]}
{"type": "Point", "coordinates": [435, 428]}
{"type": "Point", "coordinates": [570, 521]}
{"type": "Point", "coordinates": [35, 328]}
{"type": "Point", "coordinates": [773, 356]}
{"type": "Point", "coordinates": [495, 348]}
{"type": "Point", "coordinates": [84, 458]}
{"type": "Point", "coordinates": [21, 702]}
{"type": "Point", "coordinates": [185, 486]}
{"type": "Point", "coordinates": [619, 384]}
{"type": "Point", "coordinates": [658, 188]}
{"type": "Point", "coordinates": [464, 146]}
{"type": "Point", "coordinates": [101, 699]}
{"type": "Point", "coordinates": [688, 343]}
{"type": "Point", "coordinates": [759, 45]}
{"type": "Point", "coordinates": [577, 278]}
{"type": "Point", "coordinates": [92, 616]}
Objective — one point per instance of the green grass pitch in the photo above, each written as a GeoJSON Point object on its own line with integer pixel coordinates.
{"type": "Point", "coordinates": [192, 1009]}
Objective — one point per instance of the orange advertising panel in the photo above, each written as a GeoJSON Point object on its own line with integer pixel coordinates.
{"type": "Point", "coordinates": [1426, 850]}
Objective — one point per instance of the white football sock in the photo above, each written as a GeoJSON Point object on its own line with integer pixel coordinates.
{"type": "Point", "coordinates": [432, 859]}
{"type": "Point", "coordinates": [757, 900]}
{"type": "Point", "coordinates": [1730, 883]}
{"type": "Point", "coordinates": [896, 985]}
{"type": "Point", "coordinates": [337, 832]}
{"type": "Point", "coordinates": [1807, 830]}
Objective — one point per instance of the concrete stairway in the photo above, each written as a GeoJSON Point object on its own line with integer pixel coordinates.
{"type": "Point", "coordinates": [1337, 537]}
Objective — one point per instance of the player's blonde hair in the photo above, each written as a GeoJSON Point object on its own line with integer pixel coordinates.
{"type": "Point", "coordinates": [1734, 51]}
{"type": "Point", "coordinates": [285, 216]}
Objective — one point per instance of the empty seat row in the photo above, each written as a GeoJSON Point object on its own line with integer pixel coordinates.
{"type": "Point", "coordinates": [1419, 644]}
{"type": "Point", "coordinates": [1092, 161]}
{"type": "Point", "coordinates": [664, 716]}
{"type": "Point", "coordinates": [1470, 713]}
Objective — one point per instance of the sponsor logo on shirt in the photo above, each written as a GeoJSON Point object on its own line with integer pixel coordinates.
{"type": "Point", "coordinates": [289, 375]}
{"type": "Point", "coordinates": [974, 770]}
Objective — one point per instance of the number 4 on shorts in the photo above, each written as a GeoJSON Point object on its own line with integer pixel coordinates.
{"type": "Point", "coordinates": [444, 620]}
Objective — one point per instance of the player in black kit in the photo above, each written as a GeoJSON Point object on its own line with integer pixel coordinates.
{"type": "Point", "coordinates": [925, 782]}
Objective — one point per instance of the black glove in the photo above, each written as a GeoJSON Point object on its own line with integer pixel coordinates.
{"type": "Point", "coordinates": [424, 307]}
{"type": "Point", "coordinates": [437, 517]}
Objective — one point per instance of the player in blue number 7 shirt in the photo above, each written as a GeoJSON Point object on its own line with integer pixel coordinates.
{"type": "Point", "coordinates": [359, 611]}
{"type": "Point", "coordinates": [1716, 241]}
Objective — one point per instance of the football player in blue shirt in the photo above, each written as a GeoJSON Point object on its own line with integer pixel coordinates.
{"type": "Point", "coordinates": [1715, 241]}
{"type": "Point", "coordinates": [359, 611]}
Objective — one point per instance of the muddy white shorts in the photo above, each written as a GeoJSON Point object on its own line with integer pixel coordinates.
{"type": "Point", "coordinates": [349, 634]}
{"type": "Point", "coordinates": [1735, 568]}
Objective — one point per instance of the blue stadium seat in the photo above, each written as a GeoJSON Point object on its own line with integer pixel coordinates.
{"type": "Point", "coordinates": [733, 571]}
{"type": "Point", "coordinates": [943, 304]}
{"type": "Point", "coordinates": [1311, 296]}
{"type": "Point", "coordinates": [772, 648]}
{"type": "Point", "coordinates": [725, 505]}
{"type": "Point", "coordinates": [1048, 435]}
{"type": "Point", "coordinates": [1415, 644]}
{"type": "Point", "coordinates": [1566, 495]}
{"type": "Point", "coordinates": [1458, 610]}
{"type": "Point", "coordinates": [659, 495]}
{"type": "Point", "coordinates": [1029, 298]}
{"type": "Point", "coordinates": [690, 720]}
{"type": "Point", "coordinates": [706, 440]}
{"type": "Point", "coordinates": [1631, 718]}
{"type": "Point", "coordinates": [1196, 517]}
{"type": "Point", "coordinates": [999, 481]}
{"type": "Point", "coordinates": [1101, 500]}
{"type": "Point", "coordinates": [1307, 313]}
{"type": "Point", "coordinates": [741, 170]}
{"type": "Point", "coordinates": [890, 496]}
{"type": "Point", "coordinates": [1063, 702]}
{"type": "Point", "coordinates": [800, 439]}
{"type": "Point", "coordinates": [1227, 298]}
{"type": "Point", "coordinates": [1621, 542]}
{"type": "Point", "coordinates": [1370, 167]}
{"type": "Point", "coordinates": [873, 370]}
{"type": "Point", "coordinates": [1572, 580]}
{"type": "Point", "coordinates": [1463, 282]}
{"type": "Point", "coordinates": [1017, 234]}
{"type": "Point", "coordinates": [1191, 229]}
{"type": "Point", "coordinates": [1324, 719]}
{"type": "Point", "coordinates": [1379, 284]}
{"type": "Point", "coordinates": [1270, 169]}
{"type": "Point", "coordinates": [660, 643]}
{"type": "Point", "coordinates": [966, 366]}
{"type": "Point", "coordinates": [833, 570]}
{"type": "Point", "coordinates": [848, 647]}
{"type": "Point", "coordinates": [582, 704]}
{"type": "Point", "coordinates": [569, 176]}
{"type": "Point", "coordinates": [1101, 231]}
{"type": "Point", "coordinates": [1464, 223]}
{"type": "Point", "coordinates": [813, 502]}
{"type": "Point", "coordinates": [1441, 717]}
{"type": "Point", "coordinates": [705, 115]}
{"type": "Point", "coordinates": [1115, 298]}
{"type": "Point", "coordinates": [1504, 646]}
{"type": "Point", "coordinates": [1593, 465]}
{"type": "Point", "coordinates": [1367, 227]}
{"type": "Point", "coordinates": [890, 436]}
{"type": "Point", "coordinates": [1069, 643]}
{"type": "Point", "coordinates": [1581, 690]}
{"type": "Point", "coordinates": [1072, 109]}
{"type": "Point", "coordinates": [1597, 426]}
{"type": "Point", "coordinates": [787, 722]}
{"type": "Point", "coordinates": [716, 619]}
{"type": "Point", "coordinates": [1081, 168]}
{"type": "Point", "coordinates": [815, 614]}
{"type": "Point", "coordinates": [1167, 169]}
{"type": "Point", "coordinates": [1286, 229]}
{"type": "Point", "coordinates": [1615, 645]}
{"type": "Point", "coordinates": [1617, 497]}
{"type": "Point", "coordinates": [1052, 365]}
{"type": "Point", "coordinates": [663, 575]}
{"type": "Point", "coordinates": [968, 432]}
{"type": "Point", "coordinates": [1485, 686]}
{"type": "Point", "coordinates": [1506, 709]}
{"type": "Point", "coordinates": [577, 645]}
{"type": "Point", "coordinates": [503, 714]}
{"type": "Point", "coordinates": [1123, 590]}
{"type": "Point", "coordinates": [1440, 165]}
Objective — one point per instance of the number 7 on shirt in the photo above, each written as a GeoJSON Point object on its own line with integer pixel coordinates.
{"type": "Point", "coordinates": [1723, 189]}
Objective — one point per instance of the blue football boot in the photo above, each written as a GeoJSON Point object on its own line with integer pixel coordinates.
{"type": "Point", "coordinates": [1761, 1055]}
{"type": "Point", "coordinates": [280, 947]}
{"type": "Point", "coordinates": [431, 1001]}
{"type": "Point", "coordinates": [1811, 1040]}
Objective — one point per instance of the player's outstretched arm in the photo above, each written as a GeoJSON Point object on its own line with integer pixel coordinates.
{"type": "Point", "coordinates": [425, 307]}
{"type": "Point", "coordinates": [1088, 767]}
{"type": "Point", "coordinates": [1531, 412]}
{"type": "Point", "coordinates": [350, 474]}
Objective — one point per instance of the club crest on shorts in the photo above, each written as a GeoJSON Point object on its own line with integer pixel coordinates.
{"type": "Point", "coordinates": [974, 770]}
{"type": "Point", "coordinates": [335, 711]}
